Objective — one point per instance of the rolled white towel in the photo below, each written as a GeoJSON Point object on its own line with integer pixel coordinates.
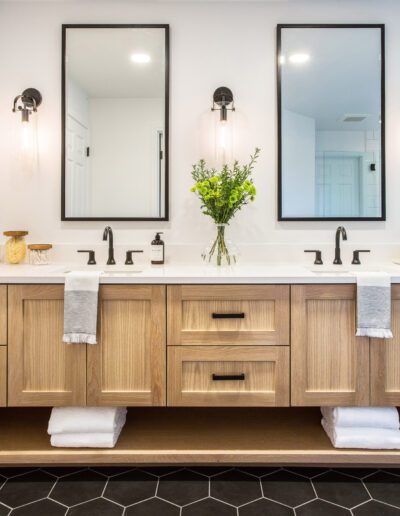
{"type": "Point", "coordinates": [372, 417]}
{"type": "Point", "coordinates": [362, 437]}
{"type": "Point", "coordinates": [86, 420]}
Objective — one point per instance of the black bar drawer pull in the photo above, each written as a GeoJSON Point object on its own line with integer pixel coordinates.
{"type": "Point", "coordinates": [239, 315]}
{"type": "Point", "coordinates": [224, 377]}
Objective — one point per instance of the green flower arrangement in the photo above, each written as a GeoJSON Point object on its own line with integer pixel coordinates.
{"type": "Point", "coordinates": [222, 194]}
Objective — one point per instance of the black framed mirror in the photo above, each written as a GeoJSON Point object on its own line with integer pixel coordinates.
{"type": "Point", "coordinates": [331, 122]}
{"type": "Point", "coordinates": [115, 117]}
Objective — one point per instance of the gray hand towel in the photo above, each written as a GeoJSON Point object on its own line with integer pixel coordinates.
{"type": "Point", "coordinates": [374, 305]}
{"type": "Point", "coordinates": [81, 294]}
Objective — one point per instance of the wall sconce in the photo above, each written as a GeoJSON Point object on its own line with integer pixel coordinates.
{"type": "Point", "coordinates": [26, 131]}
{"type": "Point", "coordinates": [223, 102]}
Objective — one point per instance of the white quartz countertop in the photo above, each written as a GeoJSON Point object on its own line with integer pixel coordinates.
{"type": "Point", "coordinates": [189, 274]}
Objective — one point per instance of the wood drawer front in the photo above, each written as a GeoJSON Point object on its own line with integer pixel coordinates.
{"type": "Point", "coordinates": [330, 365]}
{"type": "Point", "coordinates": [385, 361]}
{"type": "Point", "coordinates": [3, 376]}
{"type": "Point", "coordinates": [44, 371]}
{"type": "Point", "coordinates": [3, 315]}
{"type": "Point", "coordinates": [228, 315]}
{"type": "Point", "coordinates": [265, 373]}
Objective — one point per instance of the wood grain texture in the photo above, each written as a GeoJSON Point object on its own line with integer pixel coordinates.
{"type": "Point", "coordinates": [266, 371]}
{"type": "Point", "coordinates": [42, 370]}
{"type": "Point", "coordinates": [385, 361]}
{"type": "Point", "coordinates": [191, 436]}
{"type": "Point", "coordinates": [128, 365]}
{"type": "Point", "coordinates": [3, 315]}
{"type": "Point", "coordinates": [190, 309]}
{"type": "Point", "coordinates": [3, 376]}
{"type": "Point", "coordinates": [330, 366]}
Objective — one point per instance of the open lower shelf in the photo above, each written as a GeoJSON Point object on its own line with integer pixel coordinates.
{"type": "Point", "coordinates": [190, 436]}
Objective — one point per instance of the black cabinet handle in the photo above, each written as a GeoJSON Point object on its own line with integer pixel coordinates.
{"type": "Point", "coordinates": [91, 260]}
{"type": "Point", "coordinates": [225, 377]}
{"type": "Point", "coordinates": [228, 316]}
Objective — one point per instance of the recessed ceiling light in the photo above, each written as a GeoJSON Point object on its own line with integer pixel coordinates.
{"type": "Point", "coordinates": [299, 58]}
{"type": "Point", "coordinates": [140, 58]}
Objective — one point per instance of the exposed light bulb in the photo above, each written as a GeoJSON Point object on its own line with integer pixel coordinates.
{"type": "Point", "coordinates": [299, 58]}
{"type": "Point", "coordinates": [140, 58]}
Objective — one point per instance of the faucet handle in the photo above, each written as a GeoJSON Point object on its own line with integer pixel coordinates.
{"type": "Point", "coordinates": [91, 260]}
{"type": "Point", "coordinates": [356, 256]}
{"type": "Point", "coordinates": [129, 260]}
{"type": "Point", "coordinates": [318, 256]}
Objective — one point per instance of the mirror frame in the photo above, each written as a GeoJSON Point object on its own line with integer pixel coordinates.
{"type": "Point", "coordinates": [65, 27]}
{"type": "Point", "coordinates": [383, 118]}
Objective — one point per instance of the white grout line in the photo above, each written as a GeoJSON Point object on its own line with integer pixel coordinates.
{"type": "Point", "coordinates": [113, 501]}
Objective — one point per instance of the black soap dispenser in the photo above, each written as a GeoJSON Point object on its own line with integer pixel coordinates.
{"type": "Point", "coordinates": [157, 250]}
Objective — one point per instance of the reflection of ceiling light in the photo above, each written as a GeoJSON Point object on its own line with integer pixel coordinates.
{"type": "Point", "coordinates": [299, 58]}
{"type": "Point", "coordinates": [282, 60]}
{"type": "Point", "coordinates": [140, 58]}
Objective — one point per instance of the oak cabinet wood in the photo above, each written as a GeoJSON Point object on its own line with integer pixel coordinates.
{"type": "Point", "coordinates": [42, 370]}
{"type": "Point", "coordinates": [228, 315]}
{"type": "Point", "coordinates": [3, 315]}
{"type": "Point", "coordinates": [228, 376]}
{"type": "Point", "coordinates": [3, 376]}
{"type": "Point", "coordinates": [128, 365]}
{"type": "Point", "coordinates": [385, 361]}
{"type": "Point", "coordinates": [329, 366]}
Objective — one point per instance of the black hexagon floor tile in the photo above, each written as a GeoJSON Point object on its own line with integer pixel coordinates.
{"type": "Point", "coordinates": [131, 487]}
{"type": "Point", "coordinates": [13, 471]}
{"type": "Point", "coordinates": [265, 507]}
{"type": "Point", "coordinates": [287, 488]}
{"type": "Point", "coordinates": [26, 488]}
{"type": "Point", "coordinates": [160, 471]}
{"type": "Point", "coordinates": [258, 472]}
{"type": "Point", "coordinates": [210, 471]}
{"type": "Point", "coordinates": [110, 471]}
{"type": "Point", "coordinates": [209, 507]}
{"type": "Point", "coordinates": [4, 511]}
{"type": "Point", "coordinates": [356, 472]}
{"type": "Point", "coordinates": [98, 507]}
{"type": "Point", "coordinates": [374, 508]}
{"type": "Point", "coordinates": [43, 507]}
{"type": "Point", "coordinates": [78, 487]}
{"type": "Point", "coordinates": [183, 487]}
{"type": "Point", "coordinates": [152, 507]}
{"type": "Point", "coordinates": [306, 472]}
{"type": "Point", "coordinates": [321, 508]}
{"type": "Point", "coordinates": [340, 489]}
{"type": "Point", "coordinates": [384, 487]}
{"type": "Point", "coordinates": [235, 487]}
{"type": "Point", "coordinates": [62, 471]}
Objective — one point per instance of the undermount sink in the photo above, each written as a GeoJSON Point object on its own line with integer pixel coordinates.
{"type": "Point", "coordinates": [109, 270]}
{"type": "Point", "coordinates": [340, 269]}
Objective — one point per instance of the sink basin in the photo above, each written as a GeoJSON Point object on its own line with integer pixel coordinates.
{"type": "Point", "coordinates": [109, 270]}
{"type": "Point", "coordinates": [341, 269]}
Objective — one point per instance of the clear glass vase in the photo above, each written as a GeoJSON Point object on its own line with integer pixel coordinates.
{"type": "Point", "coordinates": [220, 252]}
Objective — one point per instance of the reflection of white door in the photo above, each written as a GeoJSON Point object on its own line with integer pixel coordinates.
{"type": "Point", "coordinates": [77, 169]}
{"type": "Point", "coordinates": [338, 186]}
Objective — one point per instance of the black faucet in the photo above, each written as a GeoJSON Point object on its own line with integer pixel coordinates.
{"type": "Point", "coordinates": [108, 233]}
{"type": "Point", "coordinates": [340, 231]}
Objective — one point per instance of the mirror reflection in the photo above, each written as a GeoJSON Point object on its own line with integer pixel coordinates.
{"type": "Point", "coordinates": [331, 122]}
{"type": "Point", "coordinates": [115, 122]}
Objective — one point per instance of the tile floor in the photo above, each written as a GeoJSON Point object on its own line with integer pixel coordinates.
{"type": "Point", "coordinates": [198, 491]}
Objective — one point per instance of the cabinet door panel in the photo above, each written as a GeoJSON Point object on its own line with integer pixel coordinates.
{"type": "Point", "coordinates": [330, 365]}
{"type": "Point", "coordinates": [42, 370]}
{"type": "Point", "coordinates": [228, 376]}
{"type": "Point", "coordinates": [3, 376]}
{"type": "Point", "coordinates": [228, 314]}
{"type": "Point", "coordinates": [3, 314]}
{"type": "Point", "coordinates": [385, 361]}
{"type": "Point", "coordinates": [127, 366]}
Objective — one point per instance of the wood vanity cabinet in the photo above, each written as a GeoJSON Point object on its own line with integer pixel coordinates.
{"type": "Point", "coordinates": [126, 367]}
{"type": "Point", "coordinates": [3, 345]}
{"type": "Point", "coordinates": [228, 314]}
{"type": "Point", "coordinates": [3, 315]}
{"type": "Point", "coordinates": [329, 365]}
{"type": "Point", "coordinates": [385, 361]}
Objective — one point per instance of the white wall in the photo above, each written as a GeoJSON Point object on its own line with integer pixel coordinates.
{"type": "Point", "coordinates": [124, 150]}
{"type": "Point", "coordinates": [212, 44]}
{"type": "Point", "coordinates": [298, 165]}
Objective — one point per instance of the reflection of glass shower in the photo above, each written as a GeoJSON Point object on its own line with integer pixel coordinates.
{"type": "Point", "coordinates": [346, 185]}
